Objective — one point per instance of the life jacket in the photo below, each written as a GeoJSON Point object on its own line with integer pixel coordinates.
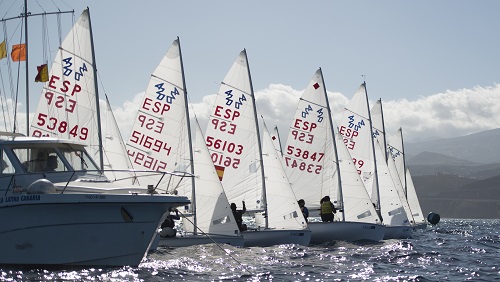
{"type": "Point", "coordinates": [326, 207]}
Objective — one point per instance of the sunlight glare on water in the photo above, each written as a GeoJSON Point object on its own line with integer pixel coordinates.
{"type": "Point", "coordinates": [454, 250]}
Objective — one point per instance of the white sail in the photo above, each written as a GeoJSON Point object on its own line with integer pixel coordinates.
{"type": "Point", "coordinates": [285, 212]}
{"type": "Point", "coordinates": [356, 128]}
{"type": "Point", "coordinates": [68, 106]}
{"type": "Point", "coordinates": [275, 136]}
{"type": "Point", "coordinates": [377, 116]}
{"type": "Point", "coordinates": [116, 160]}
{"type": "Point", "coordinates": [213, 214]}
{"type": "Point", "coordinates": [396, 149]}
{"type": "Point", "coordinates": [159, 137]}
{"type": "Point", "coordinates": [309, 156]}
{"type": "Point", "coordinates": [394, 207]}
{"type": "Point", "coordinates": [311, 161]}
{"type": "Point", "coordinates": [232, 139]}
{"type": "Point", "coordinates": [160, 140]}
{"type": "Point", "coordinates": [388, 175]}
{"type": "Point", "coordinates": [413, 201]}
{"type": "Point", "coordinates": [357, 206]}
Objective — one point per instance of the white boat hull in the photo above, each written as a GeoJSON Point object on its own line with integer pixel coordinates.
{"type": "Point", "coordinates": [80, 229]}
{"type": "Point", "coordinates": [398, 232]}
{"type": "Point", "coordinates": [190, 240]}
{"type": "Point", "coordinates": [323, 232]}
{"type": "Point", "coordinates": [270, 237]}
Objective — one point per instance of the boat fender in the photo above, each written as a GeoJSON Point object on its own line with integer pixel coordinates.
{"type": "Point", "coordinates": [41, 186]}
{"type": "Point", "coordinates": [433, 218]}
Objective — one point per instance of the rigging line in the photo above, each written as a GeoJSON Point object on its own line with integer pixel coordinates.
{"type": "Point", "coordinates": [44, 38]}
{"type": "Point", "coordinates": [217, 244]}
{"type": "Point", "coordinates": [18, 78]}
{"type": "Point", "coordinates": [10, 82]}
{"type": "Point", "coordinates": [9, 63]}
{"type": "Point", "coordinates": [6, 12]}
{"type": "Point", "coordinates": [40, 6]}
{"type": "Point", "coordinates": [3, 101]}
{"type": "Point", "coordinates": [348, 110]}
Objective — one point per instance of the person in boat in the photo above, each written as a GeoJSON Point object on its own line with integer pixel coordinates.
{"type": "Point", "coordinates": [327, 209]}
{"type": "Point", "coordinates": [167, 227]}
{"type": "Point", "coordinates": [238, 216]}
{"type": "Point", "coordinates": [303, 208]}
{"type": "Point", "coordinates": [51, 164]}
{"type": "Point", "coordinates": [4, 167]}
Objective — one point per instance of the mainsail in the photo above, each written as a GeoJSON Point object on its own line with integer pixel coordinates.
{"type": "Point", "coordinates": [396, 149]}
{"type": "Point", "coordinates": [311, 157]}
{"type": "Point", "coordinates": [232, 138]}
{"type": "Point", "coordinates": [161, 140]}
{"type": "Point", "coordinates": [69, 105]}
{"type": "Point", "coordinates": [357, 130]}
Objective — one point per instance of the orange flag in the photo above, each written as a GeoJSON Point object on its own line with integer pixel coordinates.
{"type": "Point", "coordinates": [18, 52]}
{"type": "Point", "coordinates": [43, 73]}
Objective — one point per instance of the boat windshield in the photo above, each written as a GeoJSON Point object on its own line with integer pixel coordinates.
{"type": "Point", "coordinates": [79, 159]}
{"type": "Point", "coordinates": [40, 159]}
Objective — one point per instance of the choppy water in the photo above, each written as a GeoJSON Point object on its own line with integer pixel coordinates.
{"type": "Point", "coordinates": [454, 250]}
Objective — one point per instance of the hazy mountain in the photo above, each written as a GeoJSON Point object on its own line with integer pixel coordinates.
{"type": "Point", "coordinates": [458, 177]}
{"type": "Point", "coordinates": [429, 163]}
{"type": "Point", "coordinates": [452, 196]}
{"type": "Point", "coordinates": [432, 158]}
{"type": "Point", "coordinates": [482, 147]}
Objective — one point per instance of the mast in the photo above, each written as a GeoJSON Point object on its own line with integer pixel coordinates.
{"type": "Point", "coordinates": [339, 180]}
{"type": "Point", "coordinates": [98, 110]}
{"type": "Point", "coordinates": [373, 152]}
{"type": "Point", "coordinates": [264, 196]}
{"type": "Point", "coordinates": [279, 140]}
{"type": "Point", "coordinates": [383, 129]}
{"type": "Point", "coordinates": [190, 142]}
{"type": "Point", "coordinates": [404, 163]}
{"type": "Point", "coordinates": [27, 68]}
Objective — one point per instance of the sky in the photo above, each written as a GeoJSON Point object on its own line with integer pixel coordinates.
{"type": "Point", "coordinates": [434, 64]}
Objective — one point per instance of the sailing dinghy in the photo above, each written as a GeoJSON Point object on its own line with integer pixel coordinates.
{"type": "Point", "coordinates": [247, 172]}
{"type": "Point", "coordinates": [396, 149]}
{"type": "Point", "coordinates": [161, 140]}
{"type": "Point", "coordinates": [357, 130]}
{"type": "Point", "coordinates": [313, 163]}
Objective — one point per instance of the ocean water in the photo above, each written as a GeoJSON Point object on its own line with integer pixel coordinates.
{"type": "Point", "coordinates": [454, 250]}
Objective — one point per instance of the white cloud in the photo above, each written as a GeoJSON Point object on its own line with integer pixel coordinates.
{"type": "Point", "coordinates": [443, 115]}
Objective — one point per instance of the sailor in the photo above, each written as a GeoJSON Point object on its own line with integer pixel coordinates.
{"type": "Point", "coordinates": [238, 216]}
{"type": "Point", "coordinates": [167, 227]}
{"type": "Point", "coordinates": [327, 209]}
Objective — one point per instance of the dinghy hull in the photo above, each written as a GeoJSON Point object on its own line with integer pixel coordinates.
{"type": "Point", "coordinates": [323, 232]}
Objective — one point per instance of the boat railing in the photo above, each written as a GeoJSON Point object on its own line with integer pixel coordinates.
{"type": "Point", "coordinates": [20, 182]}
